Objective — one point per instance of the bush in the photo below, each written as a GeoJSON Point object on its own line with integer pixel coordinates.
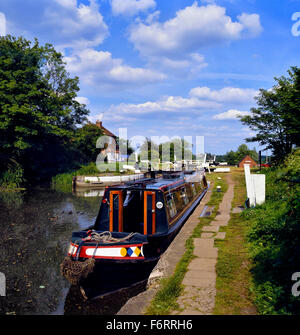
{"type": "Point", "coordinates": [274, 236]}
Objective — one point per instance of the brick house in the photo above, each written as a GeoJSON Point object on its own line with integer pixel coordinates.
{"type": "Point", "coordinates": [112, 149]}
{"type": "Point", "coordinates": [247, 160]}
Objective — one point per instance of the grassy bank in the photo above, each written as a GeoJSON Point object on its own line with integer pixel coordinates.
{"type": "Point", "coordinates": [165, 300]}
{"type": "Point", "coordinates": [63, 181]}
{"type": "Point", "coordinates": [274, 237]}
{"type": "Point", "coordinates": [11, 179]}
{"type": "Point", "coordinates": [261, 251]}
{"type": "Point", "coordinates": [233, 295]}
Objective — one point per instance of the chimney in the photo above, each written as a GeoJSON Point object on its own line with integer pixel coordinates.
{"type": "Point", "coordinates": [99, 124]}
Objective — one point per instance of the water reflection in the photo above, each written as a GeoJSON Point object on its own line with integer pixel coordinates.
{"type": "Point", "coordinates": [35, 231]}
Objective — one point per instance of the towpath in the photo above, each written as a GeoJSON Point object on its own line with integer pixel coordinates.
{"type": "Point", "coordinates": [200, 280]}
{"type": "Point", "coordinates": [198, 297]}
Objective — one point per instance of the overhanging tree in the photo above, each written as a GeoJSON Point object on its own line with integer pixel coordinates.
{"type": "Point", "coordinates": [276, 120]}
{"type": "Point", "coordinates": [38, 110]}
{"type": "Point", "coordinates": [85, 142]}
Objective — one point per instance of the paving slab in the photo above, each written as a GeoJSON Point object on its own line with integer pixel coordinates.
{"type": "Point", "coordinates": [207, 235]}
{"type": "Point", "coordinates": [206, 253]}
{"type": "Point", "coordinates": [213, 229]}
{"type": "Point", "coordinates": [203, 264]}
{"type": "Point", "coordinates": [238, 210]}
{"type": "Point", "coordinates": [219, 223]}
{"type": "Point", "coordinates": [222, 217]}
{"type": "Point", "coordinates": [203, 242]}
{"type": "Point", "coordinates": [201, 275]}
{"type": "Point", "coordinates": [202, 283]}
{"type": "Point", "coordinates": [220, 236]}
{"type": "Point", "coordinates": [224, 207]}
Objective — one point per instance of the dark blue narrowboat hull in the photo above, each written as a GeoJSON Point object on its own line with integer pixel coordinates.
{"type": "Point", "coordinates": [111, 274]}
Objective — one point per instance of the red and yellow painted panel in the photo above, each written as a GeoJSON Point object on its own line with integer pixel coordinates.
{"type": "Point", "coordinates": [112, 252]}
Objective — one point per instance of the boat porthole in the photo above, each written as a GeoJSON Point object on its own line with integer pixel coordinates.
{"type": "Point", "coordinates": [159, 205]}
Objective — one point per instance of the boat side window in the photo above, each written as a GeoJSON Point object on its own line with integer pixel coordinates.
{"type": "Point", "coordinates": [171, 205]}
{"type": "Point", "coordinates": [193, 189]}
{"type": "Point", "coordinates": [178, 200]}
{"type": "Point", "coordinates": [184, 196]}
{"type": "Point", "coordinates": [189, 192]}
{"type": "Point", "coordinates": [198, 186]}
{"type": "Point", "coordinates": [204, 182]}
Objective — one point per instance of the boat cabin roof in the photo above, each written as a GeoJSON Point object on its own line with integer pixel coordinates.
{"type": "Point", "coordinates": [160, 184]}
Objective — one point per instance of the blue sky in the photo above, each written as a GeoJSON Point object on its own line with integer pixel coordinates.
{"type": "Point", "coordinates": [167, 68]}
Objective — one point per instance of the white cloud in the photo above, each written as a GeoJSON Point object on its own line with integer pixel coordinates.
{"type": "Point", "coordinates": [82, 100]}
{"type": "Point", "coordinates": [74, 26]}
{"type": "Point", "coordinates": [63, 23]}
{"type": "Point", "coordinates": [152, 17]}
{"type": "Point", "coordinates": [226, 94]}
{"type": "Point", "coordinates": [101, 69]}
{"type": "Point", "coordinates": [169, 104]}
{"type": "Point", "coordinates": [131, 7]}
{"type": "Point", "coordinates": [231, 114]}
{"type": "Point", "coordinates": [251, 23]}
{"type": "Point", "coordinates": [2, 24]}
{"type": "Point", "coordinates": [200, 100]}
{"type": "Point", "coordinates": [192, 28]}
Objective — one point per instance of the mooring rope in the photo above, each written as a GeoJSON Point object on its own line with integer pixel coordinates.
{"type": "Point", "coordinates": [106, 237]}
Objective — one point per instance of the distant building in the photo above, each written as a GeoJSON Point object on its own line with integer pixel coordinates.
{"type": "Point", "coordinates": [112, 150]}
{"type": "Point", "coordinates": [247, 160]}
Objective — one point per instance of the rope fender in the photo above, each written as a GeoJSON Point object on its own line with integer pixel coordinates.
{"type": "Point", "coordinates": [73, 269]}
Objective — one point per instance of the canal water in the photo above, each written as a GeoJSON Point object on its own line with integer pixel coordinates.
{"type": "Point", "coordinates": [35, 228]}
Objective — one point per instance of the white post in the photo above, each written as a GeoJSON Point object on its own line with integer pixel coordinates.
{"type": "Point", "coordinates": [249, 185]}
{"type": "Point", "coordinates": [259, 181]}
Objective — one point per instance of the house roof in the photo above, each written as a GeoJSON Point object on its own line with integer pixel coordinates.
{"type": "Point", "coordinates": [248, 157]}
{"type": "Point", "coordinates": [105, 131]}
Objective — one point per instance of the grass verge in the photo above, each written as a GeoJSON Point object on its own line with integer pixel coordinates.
{"type": "Point", "coordinates": [233, 295]}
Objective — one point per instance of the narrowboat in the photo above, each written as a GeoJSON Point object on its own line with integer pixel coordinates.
{"type": "Point", "coordinates": [136, 223]}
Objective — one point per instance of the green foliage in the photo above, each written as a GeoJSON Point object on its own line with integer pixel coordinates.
{"type": "Point", "coordinates": [274, 236]}
{"type": "Point", "coordinates": [234, 157]}
{"type": "Point", "coordinates": [89, 169]}
{"type": "Point", "coordinates": [63, 181]}
{"type": "Point", "coordinates": [167, 151]}
{"type": "Point", "coordinates": [149, 151]}
{"type": "Point", "coordinates": [276, 121]}
{"type": "Point", "coordinates": [85, 142]}
{"type": "Point", "coordinates": [12, 178]}
{"type": "Point", "coordinates": [38, 110]}
{"type": "Point", "coordinates": [177, 148]}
